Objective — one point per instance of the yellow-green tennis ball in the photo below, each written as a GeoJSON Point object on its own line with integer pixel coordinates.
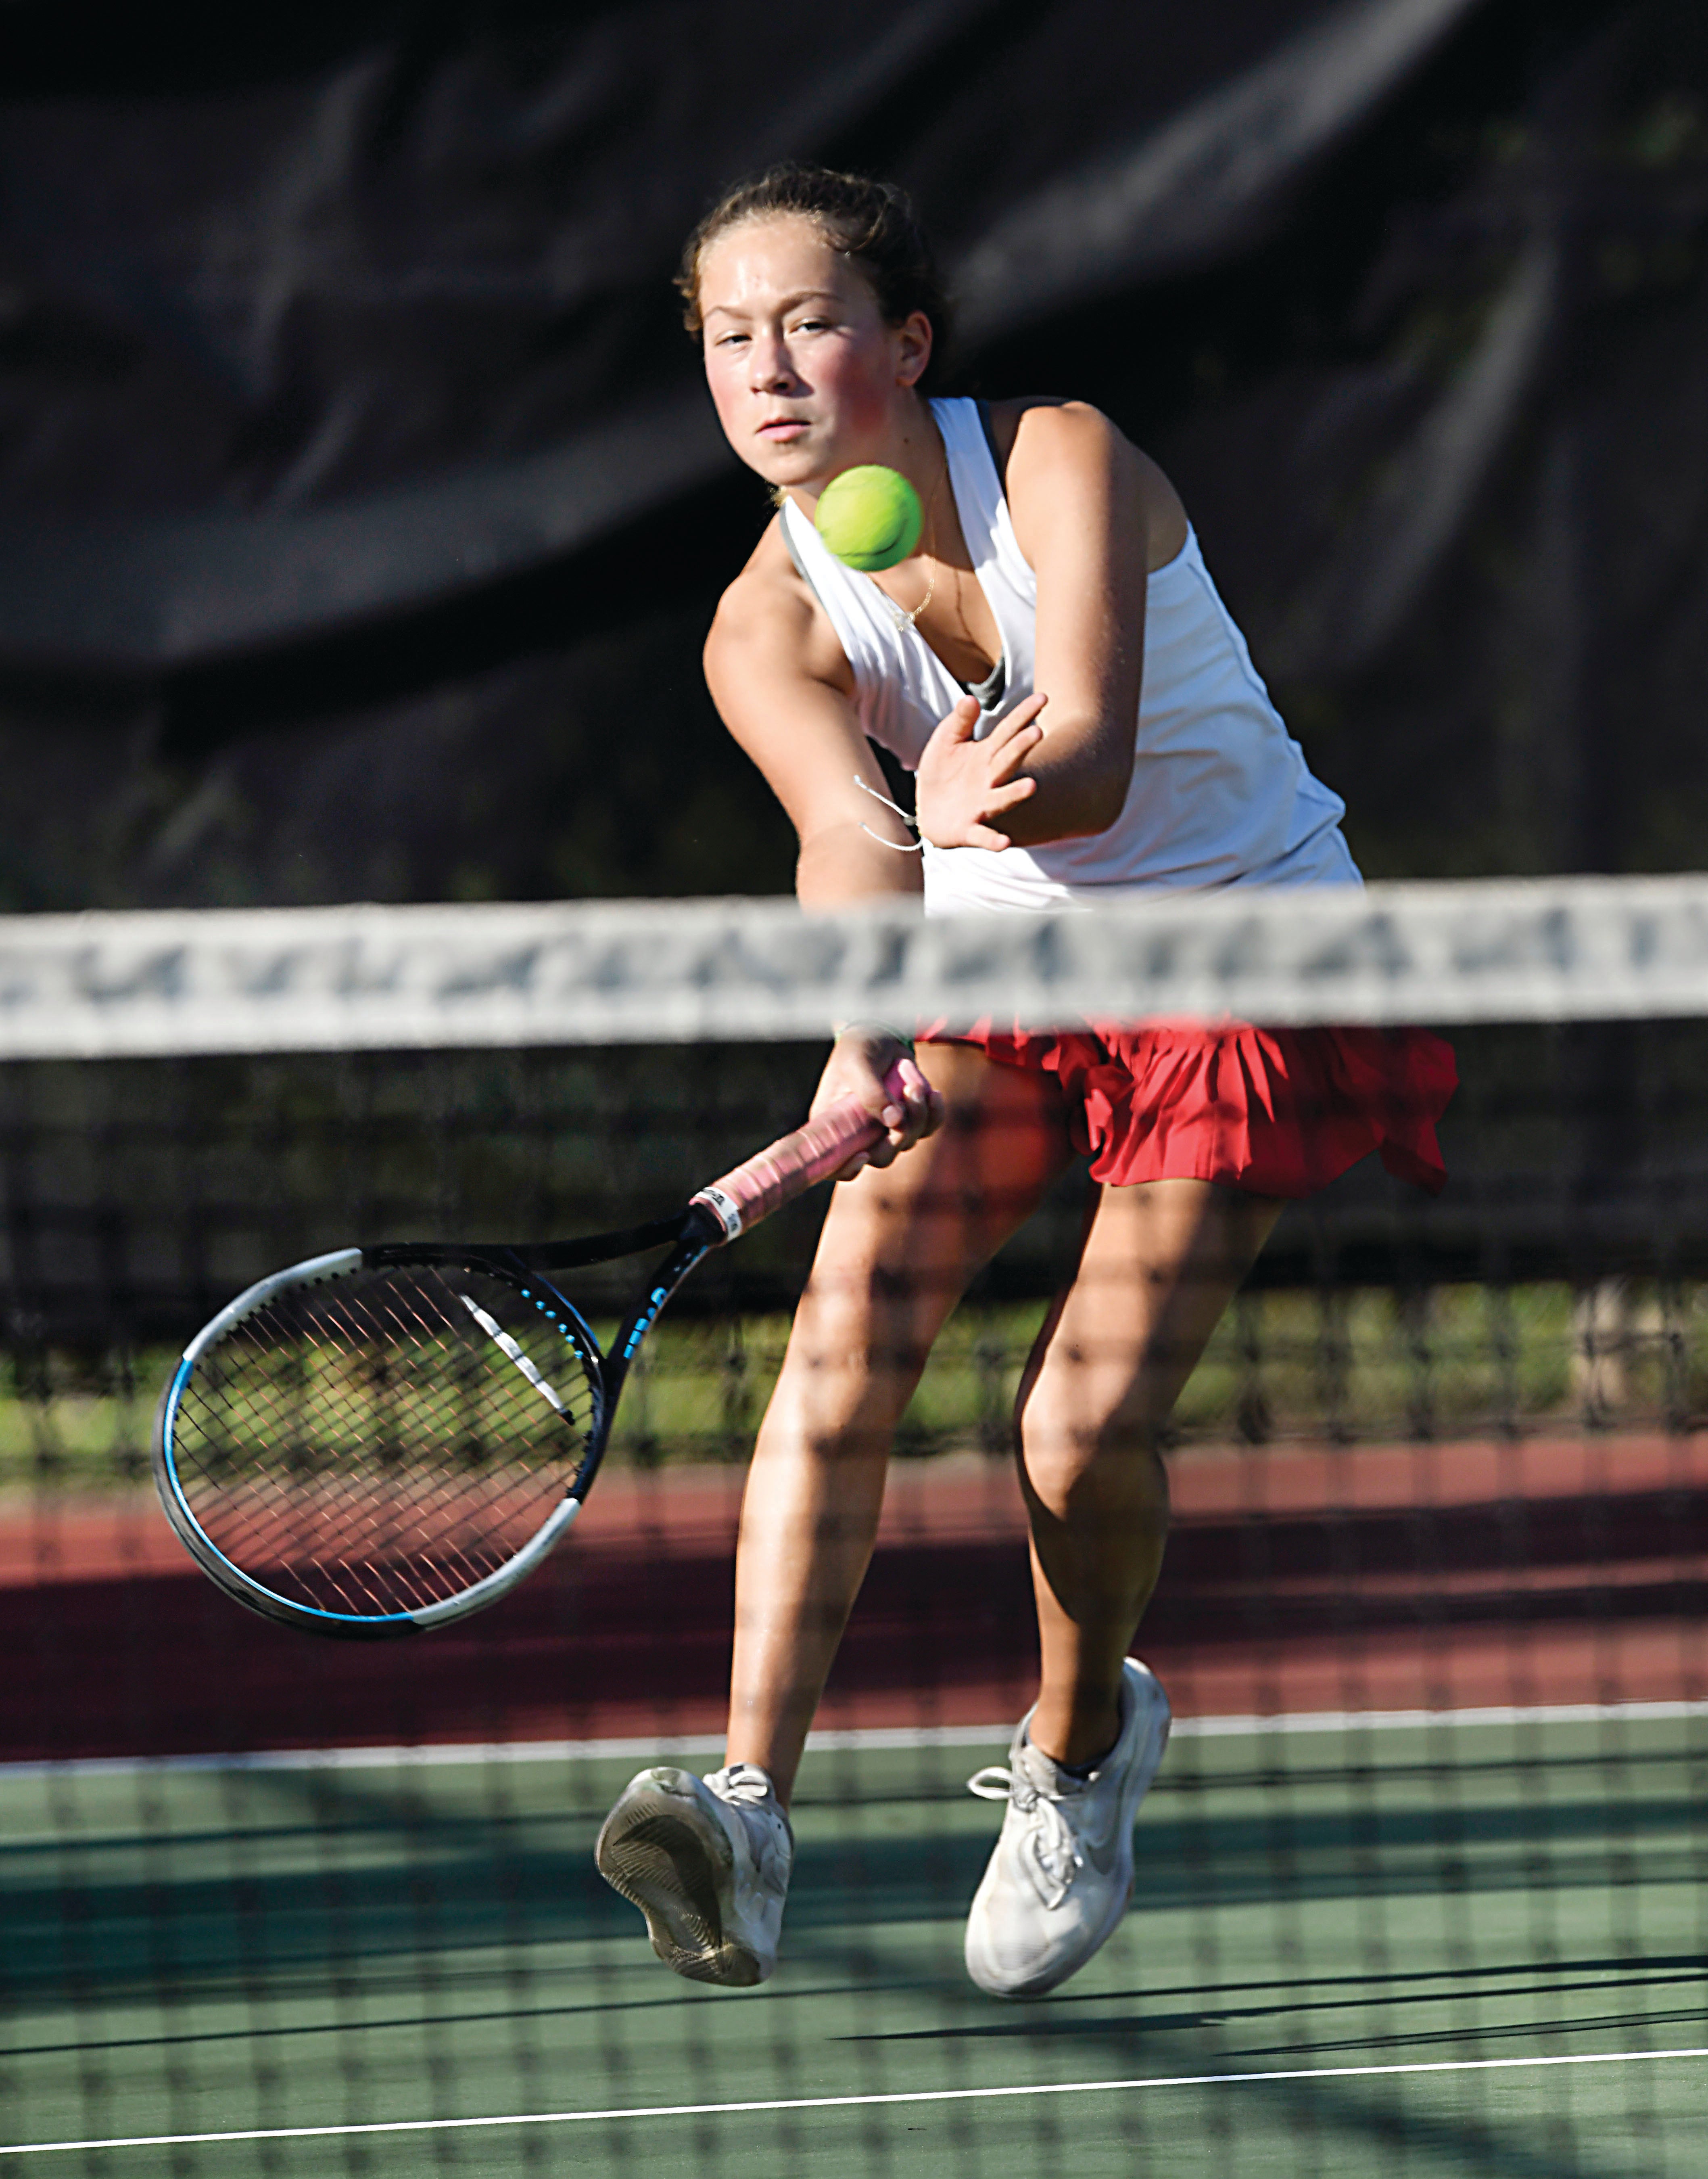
{"type": "Point", "coordinates": [870, 518]}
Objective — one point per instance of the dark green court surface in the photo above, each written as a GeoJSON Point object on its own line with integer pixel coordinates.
{"type": "Point", "coordinates": [191, 1951]}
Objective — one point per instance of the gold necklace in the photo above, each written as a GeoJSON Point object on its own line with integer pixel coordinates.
{"type": "Point", "coordinates": [901, 614]}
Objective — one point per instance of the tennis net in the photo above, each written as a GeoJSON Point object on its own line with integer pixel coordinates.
{"type": "Point", "coordinates": [1422, 1876]}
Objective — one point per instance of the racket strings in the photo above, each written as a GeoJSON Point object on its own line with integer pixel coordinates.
{"type": "Point", "coordinates": [354, 1541]}
{"type": "Point", "coordinates": [371, 1443]}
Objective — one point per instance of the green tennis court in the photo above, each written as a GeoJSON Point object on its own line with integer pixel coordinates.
{"type": "Point", "coordinates": [1445, 1453]}
{"type": "Point", "coordinates": [1463, 1946]}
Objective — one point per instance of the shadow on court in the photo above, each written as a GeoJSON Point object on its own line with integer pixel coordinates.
{"type": "Point", "coordinates": [192, 1950]}
{"type": "Point", "coordinates": [323, 1871]}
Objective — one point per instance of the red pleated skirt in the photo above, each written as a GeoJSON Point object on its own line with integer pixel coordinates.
{"type": "Point", "coordinates": [1275, 1111]}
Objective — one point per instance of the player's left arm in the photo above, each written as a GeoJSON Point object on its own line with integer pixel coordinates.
{"type": "Point", "coordinates": [1079, 493]}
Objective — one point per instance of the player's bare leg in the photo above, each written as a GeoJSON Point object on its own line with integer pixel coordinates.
{"type": "Point", "coordinates": [1159, 1265]}
{"type": "Point", "coordinates": [898, 1249]}
{"type": "Point", "coordinates": [707, 1860]}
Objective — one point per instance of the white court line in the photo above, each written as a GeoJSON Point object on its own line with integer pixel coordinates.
{"type": "Point", "coordinates": [848, 2103]}
{"type": "Point", "coordinates": [872, 1737]}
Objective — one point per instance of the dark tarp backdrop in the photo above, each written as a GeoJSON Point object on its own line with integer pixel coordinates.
{"type": "Point", "coordinates": [361, 511]}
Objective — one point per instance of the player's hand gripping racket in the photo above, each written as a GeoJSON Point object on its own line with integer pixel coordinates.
{"type": "Point", "coordinates": [383, 1440]}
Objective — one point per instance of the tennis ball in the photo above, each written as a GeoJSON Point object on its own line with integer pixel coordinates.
{"type": "Point", "coordinates": [869, 517]}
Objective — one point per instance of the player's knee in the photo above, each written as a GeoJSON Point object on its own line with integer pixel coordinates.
{"type": "Point", "coordinates": [1084, 1453]}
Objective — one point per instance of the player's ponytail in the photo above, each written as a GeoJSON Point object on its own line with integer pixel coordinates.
{"type": "Point", "coordinates": [871, 223]}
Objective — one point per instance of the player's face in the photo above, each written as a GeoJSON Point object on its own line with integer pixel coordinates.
{"type": "Point", "coordinates": [805, 375]}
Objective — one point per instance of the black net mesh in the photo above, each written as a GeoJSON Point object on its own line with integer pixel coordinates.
{"type": "Point", "coordinates": [1420, 1880]}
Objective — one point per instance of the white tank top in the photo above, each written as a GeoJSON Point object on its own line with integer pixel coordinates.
{"type": "Point", "coordinates": [1221, 793]}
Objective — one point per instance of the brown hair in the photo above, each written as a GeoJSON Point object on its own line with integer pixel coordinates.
{"type": "Point", "coordinates": [873, 222]}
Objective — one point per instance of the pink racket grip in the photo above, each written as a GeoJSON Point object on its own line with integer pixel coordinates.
{"type": "Point", "coordinates": [771, 1177]}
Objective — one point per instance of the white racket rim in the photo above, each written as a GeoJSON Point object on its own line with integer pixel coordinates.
{"type": "Point", "coordinates": [335, 1264]}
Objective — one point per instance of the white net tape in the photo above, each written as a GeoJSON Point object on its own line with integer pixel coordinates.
{"type": "Point", "coordinates": [614, 972]}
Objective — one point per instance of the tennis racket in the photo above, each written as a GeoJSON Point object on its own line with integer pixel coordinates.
{"type": "Point", "coordinates": [383, 1440]}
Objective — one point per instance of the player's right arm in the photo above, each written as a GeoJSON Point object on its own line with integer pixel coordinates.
{"type": "Point", "coordinates": [783, 687]}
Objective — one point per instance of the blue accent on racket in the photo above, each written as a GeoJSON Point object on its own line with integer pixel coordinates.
{"type": "Point", "coordinates": [381, 1441]}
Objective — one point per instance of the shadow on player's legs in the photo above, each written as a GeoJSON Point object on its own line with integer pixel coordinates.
{"type": "Point", "coordinates": [898, 1250]}
{"type": "Point", "coordinates": [1159, 1262]}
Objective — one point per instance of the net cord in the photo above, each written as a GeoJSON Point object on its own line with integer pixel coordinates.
{"type": "Point", "coordinates": [147, 983]}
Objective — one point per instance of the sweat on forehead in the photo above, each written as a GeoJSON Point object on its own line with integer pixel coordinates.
{"type": "Point", "coordinates": [871, 225]}
{"type": "Point", "coordinates": [796, 230]}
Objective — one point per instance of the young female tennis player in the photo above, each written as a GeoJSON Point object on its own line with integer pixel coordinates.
{"type": "Point", "coordinates": [1083, 721]}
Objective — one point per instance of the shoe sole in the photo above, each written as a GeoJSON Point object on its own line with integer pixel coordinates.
{"type": "Point", "coordinates": [666, 1859]}
{"type": "Point", "coordinates": [1139, 1784]}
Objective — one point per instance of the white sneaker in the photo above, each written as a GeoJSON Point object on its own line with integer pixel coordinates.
{"type": "Point", "coordinates": [707, 1862]}
{"type": "Point", "coordinates": [1059, 1882]}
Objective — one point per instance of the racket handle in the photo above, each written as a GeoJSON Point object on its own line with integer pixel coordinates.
{"type": "Point", "coordinates": [771, 1177]}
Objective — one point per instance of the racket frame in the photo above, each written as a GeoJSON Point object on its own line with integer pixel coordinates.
{"type": "Point", "coordinates": [695, 1234]}
{"type": "Point", "coordinates": [716, 1215]}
